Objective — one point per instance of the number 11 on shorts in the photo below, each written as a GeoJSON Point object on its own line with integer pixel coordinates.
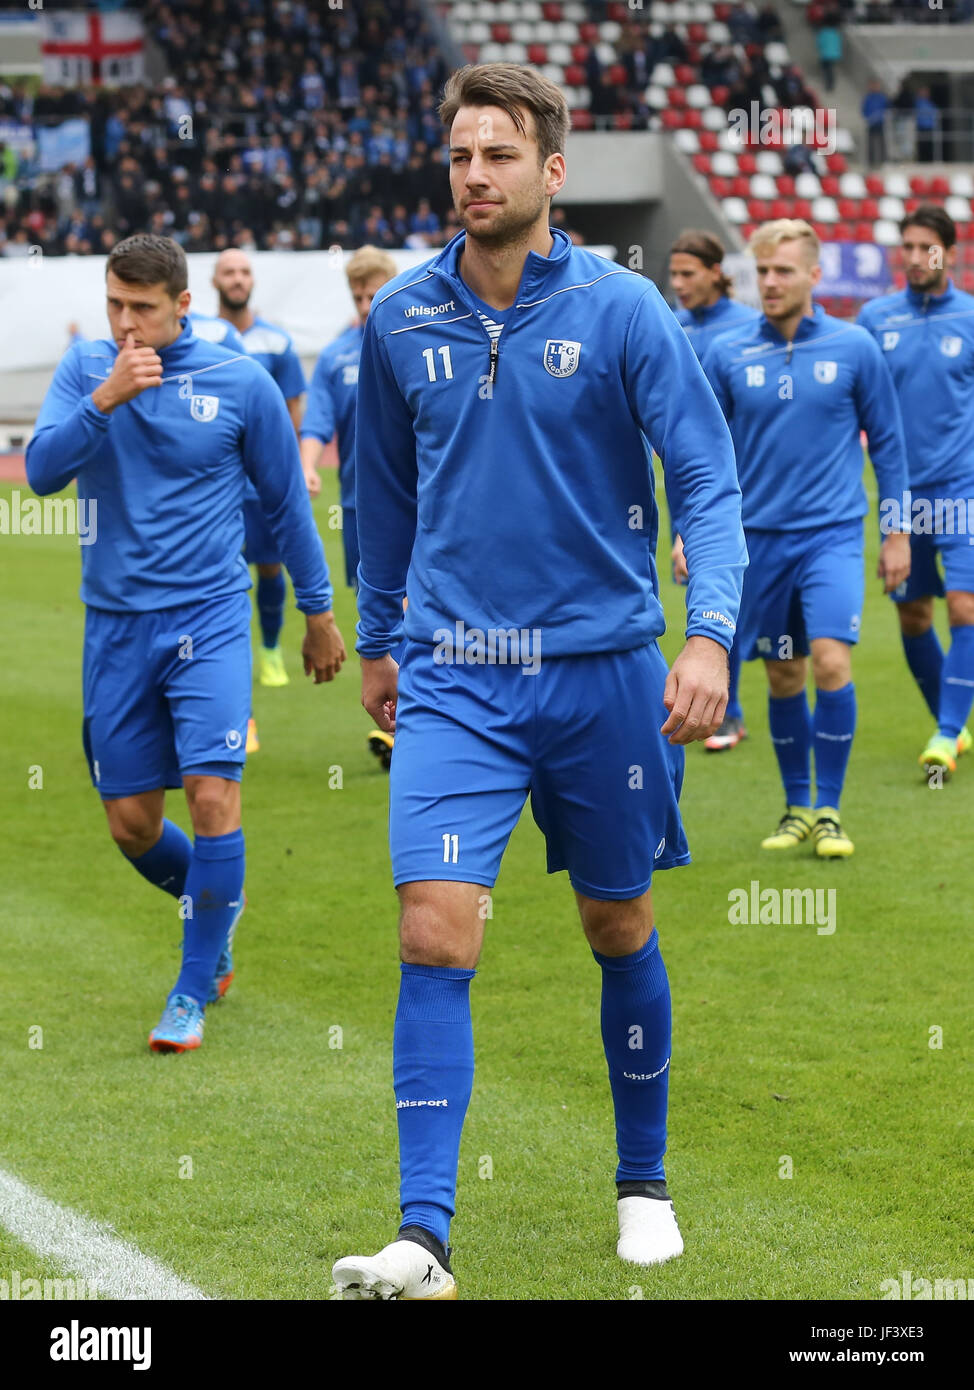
{"type": "Point", "coordinates": [451, 848]}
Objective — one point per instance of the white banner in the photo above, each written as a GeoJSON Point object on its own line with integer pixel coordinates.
{"type": "Point", "coordinates": [79, 49]}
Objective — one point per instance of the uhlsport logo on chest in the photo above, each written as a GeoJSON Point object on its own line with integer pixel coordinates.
{"type": "Point", "coordinates": [204, 408]}
{"type": "Point", "coordinates": [561, 356]}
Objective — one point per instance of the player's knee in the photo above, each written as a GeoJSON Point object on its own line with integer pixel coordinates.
{"type": "Point", "coordinates": [960, 608]}
{"type": "Point", "coordinates": [616, 928]}
{"type": "Point", "coordinates": [832, 670]}
{"type": "Point", "coordinates": [915, 617]}
{"type": "Point", "coordinates": [214, 804]}
{"type": "Point", "coordinates": [429, 937]}
{"type": "Point", "coordinates": [785, 678]}
{"type": "Point", "coordinates": [134, 830]}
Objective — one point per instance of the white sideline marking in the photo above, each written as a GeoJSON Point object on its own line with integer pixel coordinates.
{"type": "Point", "coordinates": [116, 1268]}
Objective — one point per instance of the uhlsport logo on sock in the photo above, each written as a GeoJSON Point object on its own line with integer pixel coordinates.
{"type": "Point", "coordinates": [756, 906]}
{"type": "Point", "coordinates": [410, 1104]}
{"type": "Point", "coordinates": [77, 1343]}
{"type": "Point", "coordinates": [15, 1288]}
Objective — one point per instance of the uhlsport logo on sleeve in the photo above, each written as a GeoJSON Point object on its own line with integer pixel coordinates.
{"type": "Point", "coordinates": [204, 408]}
{"type": "Point", "coordinates": [561, 356]}
{"type": "Point", "coordinates": [825, 372]}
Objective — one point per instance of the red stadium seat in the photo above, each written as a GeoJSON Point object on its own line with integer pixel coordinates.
{"type": "Point", "coordinates": [588, 32]}
{"type": "Point", "coordinates": [823, 230]}
{"type": "Point", "coordinates": [697, 33]}
{"type": "Point", "coordinates": [869, 208]}
{"type": "Point", "coordinates": [580, 52]}
{"type": "Point", "coordinates": [830, 186]}
{"type": "Point", "coordinates": [840, 231]}
{"type": "Point", "coordinates": [836, 163]}
{"type": "Point", "coordinates": [849, 209]}
{"type": "Point", "coordinates": [758, 209]}
{"type": "Point", "coordinates": [693, 53]}
{"type": "Point", "coordinates": [940, 187]}
{"type": "Point", "coordinates": [692, 119]}
{"type": "Point", "coordinates": [920, 186]}
{"type": "Point", "coordinates": [708, 141]}
{"type": "Point", "coordinates": [537, 54]}
{"type": "Point", "coordinates": [965, 231]}
{"type": "Point", "coordinates": [899, 280]}
{"type": "Point", "coordinates": [863, 231]}
{"type": "Point", "coordinates": [574, 76]}
{"type": "Point", "coordinates": [718, 95]}
{"type": "Point", "coordinates": [786, 185]}
{"type": "Point", "coordinates": [676, 96]}
{"type": "Point", "coordinates": [582, 120]}
{"type": "Point", "coordinates": [967, 281]}
{"type": "Point", "coordinates": [802, 208]}
{"type": "Point", "coordinates": [780, 207]}
{"type": "Point", "coordinates": [721, 12]}
{"type": "Point", "coordinates": [720, 188]}
{"type": "Point", "coordinates": [701, 162]}
{"type": "Point", "coordinates": [616, 75]}
{"type": "Point", "coordinates": [671, 119]}
{"type": "Point", "coordinates": [875, 185]}
{"type": "Point", "coordinates": [619, 12]}
{"type": "Point", "coordinates": [685, 75]}
{"type": "Point", "coordinates": [911, 204]}
{"type": "Point", "coordinates": [747, 164]}
{"type": "Point", "coordinates": [741, 187]}
{"type": "Point", "coordinates": [622, 120]}
{"type": "Point", "coordinates": [552, 12]}
{"type": "Point", "coordinates": [500, 33]}
{"type": "Point", "coordinates": [748, 230]}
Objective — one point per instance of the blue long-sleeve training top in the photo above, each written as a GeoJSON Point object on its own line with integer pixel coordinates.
{"type": "Point", "coordinates": [167, 470]}
{"type": "Point", "coordinates": [331, 404]}
{"type": "Point", "coordinates": [796, 410]}
{"type": "Point", "coordinates": [927, 342]}
{"type": "Point", "coordinates": [505, 481]}
{"type": "Point", "coordinates": [703, 325]}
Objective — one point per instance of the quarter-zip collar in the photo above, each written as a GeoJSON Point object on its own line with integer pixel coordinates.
{"type": "Point", "coordinates": [179, 349]}
{"type": "Point", "coordinates": [808, 325]}
{"type": "Point", "coordinates": [926, 302]}
{"type": "Point", "coordinates": [537, 268]}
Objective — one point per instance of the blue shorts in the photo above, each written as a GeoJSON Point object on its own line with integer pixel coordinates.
{"type": "Point", "coordinates": [581, 736]}
{"type": "Point", "coordinates": [165, 694]}
{"type": "Point", "coordinates": [260, 547]}
{"type": "Point", "coordinates": [350, 542]}
{"type": "Point", "coordinates": [800, 585]}
{"type": "Point", "coordinates": [954, 547]}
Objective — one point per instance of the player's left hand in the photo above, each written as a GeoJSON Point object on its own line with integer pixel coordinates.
{"type": "Point", "coordinates": [894, 560]}
{"type": "Point", "coordinates": [696, 691]}
{"type": "Point", "coordinates": [323, 648]}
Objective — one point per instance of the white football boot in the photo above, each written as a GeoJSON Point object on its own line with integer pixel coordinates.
{"type": "Point", "coordinates": [413, 1267]}
{"type": "Point", "coordinates": [648, 1233]}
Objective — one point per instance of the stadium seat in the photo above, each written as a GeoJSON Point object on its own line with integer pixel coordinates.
{"type": "Point", "coordinates": [769, 162]}
{"type": "Point", "coordinates": [786, 185]}
{"type": "Point", "coordinates": [940, 187]}
{"type": "Point", "coordinates": [886, 233]}
{"type": "Point", "coordinates": [655, 97]}
{"type": "Point", "coordinates": [869, 209]}
{"type": "Point", "coordinates": [676, 96]}
{"type": "Point", "coordinates": [582, 120]}
{"type": "Point", "coordinates": [719, 95]}
{"type": "Point", "coordinates": [708, 138]}
{"type": "Point", "coordinates": [671, 119]}
{"type": "Point", "coordinates": [715, 118]}
{"type": "Point", "coordinates": [958, 208]}
{"type": "Point", "coordinates": [891, 209]}
{"type": "Point", "coordinates": [698, 96]}
{"type": "Point", "coordinates": [763, 186]}
{"type": "Point", "coordinates": [701, 163]}
{"type": "Point", "coordinates": [575, 76]}
{"type": "Point", "coordinates": [724, 164]}
{"type": "Point", "coordinates": [830, 186]}
{"type": "Point", "coordinates": [500, 33]}
{"type": "Point", "coordinates": [849, 209]}
{"type": "Point", "coordinates": [897, 185]}
{"type": "Point", "coordinates": [802, 208]}
{"type": "Point", "coordinates": [685, 75]}
{"type": "Point", "coordinates": [919, 185]}
{"type": "Point", "coordinates": [747, 164]}
{"type": "Point", "coordinates": [615, 76]}
{"type": "Point", "coordinates": [962, 184]}
{"type": "Point", "coordinates": [720, 188]}
{"type": "Point", "coordinates": [841, 232]}
{"type": "Point", "coordinates": [686, 141]}
{"type": "Point", "coordinates": [836, 163]}
{"type": "Point", "coordinates": [741, 186]}
{"type": "Point", "coordinates": [735, 210]}
{"type": "Point", "coordinates": [693, 119]}
{"type": "Point", "coordinates": [781, 207]}
{"type": "Point", "coordinates": [663, 75]}
{"type": "Point", "coordinates": [852, 186]}
{"type": "Point", "coordinates": [863, 231]}
{"type": "Point", "coordinates": [807, 185]}
{"type": "Point", "coordinates": [537, 54]}
{"type": "Point", "coordinates": [965, 231]}
{"type": "Point", "coordinates": [824, 210]}
{"type": "Point", "coordinates": [875, 186]}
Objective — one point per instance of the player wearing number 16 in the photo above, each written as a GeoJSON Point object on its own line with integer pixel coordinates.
{"type": "Point", "coordinates": [510, 391]}
{"type": "Point", "coordinates": [161, 430]}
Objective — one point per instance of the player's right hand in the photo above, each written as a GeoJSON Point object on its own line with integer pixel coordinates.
{"type": "Point", "coordinates": [313, 481]}
{"type": "Point", "coordinates": [679, 561]}
{"type": "Point", "coordinates": [134, 370]}
{"type": "Point", "coordinates": [380, 690]}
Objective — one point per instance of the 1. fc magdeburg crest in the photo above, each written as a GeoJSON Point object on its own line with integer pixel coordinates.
{"type": "Point", "coordinates": [204, 408]}
{"type": "Point", "coordinates": [825, 372]}
{"type": "Point", "coordinates": [561, 356]}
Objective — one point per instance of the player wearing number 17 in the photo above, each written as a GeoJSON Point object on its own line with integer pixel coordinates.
{"type": "Point", "coordinates": [798, 387]}
{"type": "Point", "coordinates": [510, 391]}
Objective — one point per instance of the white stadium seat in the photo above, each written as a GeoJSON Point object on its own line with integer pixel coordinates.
{"type": "Point", "coordinates": [606, 54]}
{"type": "Point", "coordinates": [897, 185]}
{"type": "Point", "coordinates": [492, 53]}
{"type": "Point", "coordinates": [575, 12]}
{"type": "Point", "coordinates": [777, 53]}
{"type": "Point", "coordinates": [769, 162]}
{"type": "Point", "coordinates": [523, 33]}
{"type": "Point", "coordinates": [462, 10]}
{"type": "Point", "coordinates": [554, 73]}
{"type": "Point", "coordinates": [763, 186]}
{"type": "Point", "coordinates": [962, 184]}
{"type": "Point", "coordinates": [891, 209]}
{"type": "Point", "coordinates": [852, 185]}
{"type": "Point", "coordinates": [680, 13]}
{"type": "Point", "coordinates": [724, 165]}
{"type": "Point", "coordinates": [698, 96]}
{"type": "Point", "coordinates": [530, 11]}
{"type": "Point", "coordinates": [824, 210]}
{"type": "Point", "coordinates": [507, 12]}
{"type": "Point", "coordinates": [958, 208]}
{"type": "Point", "coordinates": [545, 32]}
{"type": "Point", "coordinates": [844, 142]}
{"type": "Point", "coordinates": [656, 97]}
{"type": "Point", "coordinates": [478, 32]}
{"type": "Point", "coordinates": [560, 53]}
{"type": "Point", "coordinates": [663, 75]}
{"type": "Point", "coordinates": [566, 32]}
{"type": "Point", "coordinates": [886, 233]}
{"type": "Point", "coordinates": [701, 12]}
{"type": "Point", "coordinates": [714, 118]}
{"type": "Point", "coordinates": [718, 32]}
{"type": "Point", "coordinates": [807, 185]}
{"type": "Point", "coordinates": [515, 53]}
{"type": "Point", "coordinates": [686, 140]}
{"type": "Point", "coordinates": [735, 210]}
{"type": "Point", "coordinates": [610, 31]}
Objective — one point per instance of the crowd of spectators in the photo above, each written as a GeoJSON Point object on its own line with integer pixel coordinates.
{"type": "Point", "coordinates": [250, 140]}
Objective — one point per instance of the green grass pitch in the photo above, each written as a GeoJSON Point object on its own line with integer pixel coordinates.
{"type": "Point", "coordinates": [250, 1166]}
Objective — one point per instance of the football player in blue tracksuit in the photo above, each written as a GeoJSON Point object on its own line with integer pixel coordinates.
{"type": "Point", "coordinates": [510, 393]}
{"type": "Point", "coordinates": [926, 335]}
{"type": "Point", "coordinates": [162, 430]}
{"type": "Point", "coordinates": [797, 388]}
{"type": "Point", "coordinates": [706, 309]}
{"type": "Point", "coordinates": [271, 346]}
{"type": "Point", "coordinates": [330, 414]}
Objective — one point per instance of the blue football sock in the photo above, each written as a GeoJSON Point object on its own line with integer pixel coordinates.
{"type": "Point", "coordinates": [734, 710]}
{"type": "Point", "coordinates": [214, 887]}
{"type": "Point", "coordinates": [636, 1038]}
{"type": "Point", "coordinates": [791, 733]}
{"type": "Point", "coordinates": [925, 658]}
{"type": "Point", "coordinates": [432, 1063]}
{"type": "Point", "coordinates": [167, 862]}
{"type": "Point", "coordinates": [835, 725]}
{"type": "Point", "coordinates": [957, 683]}
{"type": "Point", "coordinates": [271, 596]}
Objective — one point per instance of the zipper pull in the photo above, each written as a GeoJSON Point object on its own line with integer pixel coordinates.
{"type": "Point", "coordinates": [791, 346]}
{"type": "Point", "coordinates": [494, 354]}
